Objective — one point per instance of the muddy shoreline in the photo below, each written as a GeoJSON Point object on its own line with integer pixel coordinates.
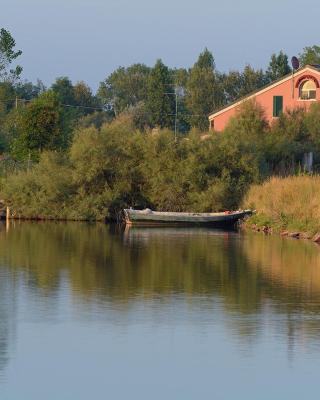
{"type": "Point", "coordinates": [269, 230]}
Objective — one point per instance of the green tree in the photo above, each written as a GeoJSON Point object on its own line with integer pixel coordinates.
{"type": "Point", "coordinates": [77, 101]}
{"type": "Point", "coordinates": [310, 55]}
{"type": "Point", "coordinates": [96, 119]}
{"type": "Point", "coordinates": [249, 124]}
{"type": "Point", "coordinates": [180, 77]}
{"type": "Point", "coordinates": [124, 88]}
{"type": "Point", "coordinates": [64, 90]}
{"type": "Point", "coordinates": [231, 85]}
{"type": "Point", "coordinates": [7, 96]}
{"type": "Point", "coordinates": [9, 92]}
{"type": "Point", "coordinates": [235, 84]}
{"type": "Point", "coordinates": [202, 91]}
{"type": "Point", "coordinates": [27, 90]}
{"type": "Point", "coordinates": [39, 126]}
{"type": "Point", "coordinates": [160, 103]}
{"type": "Point", "coordinates": [7, 56]}
{"type": "Point", "coordinates": [251, 80]}
{"type": "Point", "coordinates": [278, 67]}
{"type": "Point", "coordinates": [84, 99]}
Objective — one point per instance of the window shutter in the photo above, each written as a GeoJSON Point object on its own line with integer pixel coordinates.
{"type": "Point", "coordinates": [274, 106]}
{"type": "Point", "coordinates": [277, 105]}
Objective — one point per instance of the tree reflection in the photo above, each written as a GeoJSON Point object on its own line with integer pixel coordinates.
{"type": "Point", "coordinates": [7, 315]}
{"type": "Point", "coordinates": [248, 274]}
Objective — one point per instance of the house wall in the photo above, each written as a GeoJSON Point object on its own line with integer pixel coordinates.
{"type": "Point", "coordinates": [265, 99]}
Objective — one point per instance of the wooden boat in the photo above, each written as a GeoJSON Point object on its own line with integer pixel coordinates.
{"type": "Point", "coordinates": [148, 217]}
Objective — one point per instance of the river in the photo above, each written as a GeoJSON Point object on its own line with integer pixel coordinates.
{"type": "Point", "coordinates": [96, 312]}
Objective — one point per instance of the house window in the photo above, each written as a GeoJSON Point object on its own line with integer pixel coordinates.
{"type": "Point", "coordinates": [308, 90]}
{"type": "Point", "coordinates": [277, 105]}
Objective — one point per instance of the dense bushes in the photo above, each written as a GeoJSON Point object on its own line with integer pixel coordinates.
{"type": "Point", "coordinates": [118, 166]}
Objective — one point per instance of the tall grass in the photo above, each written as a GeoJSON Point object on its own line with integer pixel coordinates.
{"type": "Point", "coordinates": [291, 203]}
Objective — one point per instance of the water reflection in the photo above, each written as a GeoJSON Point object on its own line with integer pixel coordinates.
{"type": "Point", "coordinates": [245, 271]}
{"type": "Point", "coordinates": [252, 285]}
{"type": "Point", "coordinates": [7, 316]}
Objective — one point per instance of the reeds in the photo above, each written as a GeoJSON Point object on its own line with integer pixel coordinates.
{"type": "Point", "coordinates": [291, 203]}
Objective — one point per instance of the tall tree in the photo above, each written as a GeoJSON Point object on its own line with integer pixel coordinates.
{"type": "Point", "coordinates": [160, 103]}
{"type": "Point", "coordinates": [180, 78]}
{"type": "Point", "coordinates": [7, 56]}
{"type": "Point", "coordinates": [7, 95]}
{"type": "Point", "coordinates": [310, 55]}
{"type": "Point", "coordinates": [84, 98]}
{"type": "Point", "coordinates": [231, 85]}
{"type": "Point", "coordinates": [278, 67]}
{"type": "Point", "coordinates": [77, 100]}
{"type": "Point", "coordinates": [202, 91]}
{"type": "Point", "coordinates": [64, 90]}
{"type": "Point", "coordinates": [124, 88]}
{"type": "Point", "coordinates": [251, 80]}
{"type": "Point", "coordinates": [39, 127]}
{"type": "Point", "coordinates": [27, 90]}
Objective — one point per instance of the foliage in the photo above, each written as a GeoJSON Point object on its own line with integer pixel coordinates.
{"type": "Point", "coordinates": [63, 88]}
{"type": "Point", "coordinates": [38, 126]}
{"type": "Point", "coordinates": [251, 80]}
{"type": "Point", "coordinates": [160, 103]}
{"type": "Point", "coordinates": [7, 56]}
{"type": "Point", "coordinates": [202, 91]}
{"type": "Point", "coordinates": [96, 119]}
{"type": "Point", "coordinates": [96, 154]}
{"type": "Point", "coordinates": [310, 55]}
{"type": "Point", "coordinates": [237, 84]}
{"type": "Point", "coordinates": [42, 191]}
{"type": "Point", "coordinates": [278, 67]}
{"type": "Point", "coordinates": [27, 90]}
{"type": "Point", "coordinates": [117, 167]}
{"type": "Point", "coordinates": [312, 126]}
{"type": "Point", "coordinates": [249, 122]}
{"type": "Point", "coordinates": [279, 149]}
{"type": "Point", "coordinates": [77, 100]}
{"type": "Point", "coordinates": [124, 88]}
{"type": "Point", "coordinates": [7, 94]}
{"type": "Point", "coordinates": [231, 85]}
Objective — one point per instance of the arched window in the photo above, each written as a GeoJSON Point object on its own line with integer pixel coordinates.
{"type": "Point", "coordinates": [308, 90]}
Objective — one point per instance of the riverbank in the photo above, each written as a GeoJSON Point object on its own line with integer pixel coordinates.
{"type": "Point", "coordinates": [288, 206]}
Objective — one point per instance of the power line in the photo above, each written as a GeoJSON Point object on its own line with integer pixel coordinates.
{"type": "Point", "coordinates": [102, 108]}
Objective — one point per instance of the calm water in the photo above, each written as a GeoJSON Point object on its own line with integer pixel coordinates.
{"type": "Point", "coordinates": [89, 312]}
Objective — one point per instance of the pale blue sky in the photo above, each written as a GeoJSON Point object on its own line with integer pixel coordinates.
{"type": "Point", "coordinates": [86, 40]}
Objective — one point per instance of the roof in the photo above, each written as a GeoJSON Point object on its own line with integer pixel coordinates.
{"type": "Point", "coordinates": [221, 110]}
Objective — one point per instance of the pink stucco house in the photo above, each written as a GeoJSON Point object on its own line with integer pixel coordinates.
{"type": "Point", "coordinates": [299, 89]}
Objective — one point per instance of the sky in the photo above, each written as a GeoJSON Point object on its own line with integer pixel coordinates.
{"type": "Point", "coordinates": [87, 40]}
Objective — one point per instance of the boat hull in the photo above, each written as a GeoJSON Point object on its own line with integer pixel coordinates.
{"type": "Point", "coordinates": [154, 218]}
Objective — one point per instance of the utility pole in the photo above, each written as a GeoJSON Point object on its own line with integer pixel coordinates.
{"type": "Point", "coordinates": [16, 102]}
{"type": "Point", "coordinates": [176, 117]}
{"type": "Point", "coordinates": [176, 113]}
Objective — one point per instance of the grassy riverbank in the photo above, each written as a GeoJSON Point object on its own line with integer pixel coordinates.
{"type": "Point", "coordinates": [286, 204]}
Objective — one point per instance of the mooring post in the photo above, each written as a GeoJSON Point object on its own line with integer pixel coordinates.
{"type": "Point", "coordinates": [7, 219]}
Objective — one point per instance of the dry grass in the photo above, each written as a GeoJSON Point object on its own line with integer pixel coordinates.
{"type": "Point", "coordinates": [291, 203]}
